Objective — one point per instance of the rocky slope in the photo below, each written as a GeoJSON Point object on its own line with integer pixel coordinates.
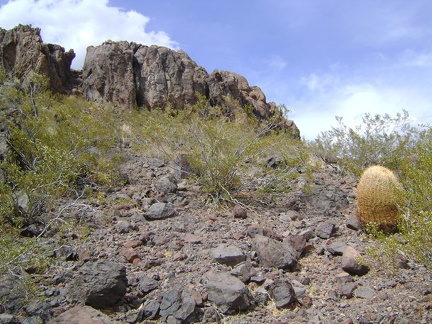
{"type": "Point", "coordinates": [152, 251]}
{"type": "Point", "coordinates": [130, 75]}
{"type": "Point", "coordinates": [157, 254]}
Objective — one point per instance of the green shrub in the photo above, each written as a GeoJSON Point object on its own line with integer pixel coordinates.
{"type": "Point", "coordinates": [57, 145]}
{"type": "Point", "coordinates": [217, 142]}
{"type": "Point", "coordinates": [380, 140]}
{"type": "Point", "coordinates": [393, 143]}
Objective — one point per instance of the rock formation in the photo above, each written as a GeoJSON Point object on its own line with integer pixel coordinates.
{"type": "Point", "coordinates": [130, 75]}
{"type": "Point", "coordinates": [22, 51]}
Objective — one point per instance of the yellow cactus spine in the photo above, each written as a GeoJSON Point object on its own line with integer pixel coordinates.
{"type": "Point", "coordinates": [378, 198]}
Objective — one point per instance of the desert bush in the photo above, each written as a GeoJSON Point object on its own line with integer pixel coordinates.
{"type": "Point", "coordinates": [394, 143]}
{"type": "Point", "coordinates": [218, 143]}
{"type": "Point", "coordinates": [56, 144]}
{"type": "Point", "coordinates": [379, 140]}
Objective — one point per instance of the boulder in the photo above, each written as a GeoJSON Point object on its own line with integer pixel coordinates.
{"type": "Point", "coordinates": [351, 264]}
{"type": "Point", "coordinates": [177, 303]}
{"type": "Point", "coordinates": [131, 75]}
{"type": "Point", "coordinates": [100, 284]}
{"type": "Point", "coordinates": [272, 253]}
{"type": "Point", "coordinates": [160, 210]}
{"type": "Point", "coordinates": [229, 293]}
{"type": "Point", "coordinates": [283, 294]}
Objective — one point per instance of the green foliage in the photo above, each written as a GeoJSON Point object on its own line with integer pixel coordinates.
{"type": "Point", "coordinates": [380, 140]}
{"type": "Point", "coordinates": [217, 142]}
{"type": "Point", "coordinates": [56, 145]}
{"type": "Point", "coordinates": [2, 75]}
{"type": "Point", "coordinates": [391, 142]}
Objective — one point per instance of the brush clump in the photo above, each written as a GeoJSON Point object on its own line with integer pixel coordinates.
{"type": "Point", "coordinates": [378, 199]}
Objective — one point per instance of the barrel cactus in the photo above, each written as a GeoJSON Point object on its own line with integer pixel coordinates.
{"type": "Point", "coordinates": [378, 198]}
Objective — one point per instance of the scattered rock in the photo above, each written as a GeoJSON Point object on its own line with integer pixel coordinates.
{"type": "Point", "coordinates": [325, 230]}
{"type": "Point", "coordinates": [178, 303]}
{"type": "Point", "coordinates": [239, 212]}
{"type": "Point", "coordinates": [350, 262]}
{"type": "Point", "coordinates": [150, 309]}
{"type": "Point", "coordinates": [347, 289]}
{"type": "Point", "coordinates": [353, 223]}
{"type": "Point", "coordinates": [298, 242]}
{"type": "Point", "coordinates": [337, 248]}
{"type": "Point", "coordinates": [344, 277]}
{"type": "Point", "coordinates": [228, 254]}
{"type": "Point", "coordinates": [83, 314]}
{"type": "Point", "coordinates": [229, 293]}
{"type": "Point", "coordinates": [167, 184]}
{"type": "Point", "coordinates": [364, 292]}
{"type": "Point", "coordinates": [282, 292]}
{"type": "Point", "coordinates": [272, 253]}
{"type": "Point", "coordinates": [100, 284]}
{"type": "Point", "coordinates": [191, 238]}
{"type": "Point", "coordinates": [242, 271]}
{"type": "Point", "coordinates": [124, 226]}
{"type": "Point", "coordinates": [130, 254]}
{"type": "Point", "coordinates": [147, 284]}
{"type": "Point", "coordinates": [160, 211]}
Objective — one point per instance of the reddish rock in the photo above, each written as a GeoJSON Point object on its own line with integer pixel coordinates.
{"type": "Point", "coordinates": [351, 264]}
{"type": "Point", "coordinates": [192, 238]}
{"type": "Point", "coordinates": [133, 244]}
{"type": "Point", "coordinates": [239, 212]}
{"type": "Point", "coordinates": [83, 314]}
{"type": "Point", "coordinates": [130, 254]}
{"type": "Point", "coordinates": [238, 236]}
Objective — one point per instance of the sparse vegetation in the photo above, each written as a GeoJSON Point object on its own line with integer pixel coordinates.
{"type": "Point", "coordinates": [58, 147]}
{"type": "Point", "coordinates": [62, 149]}
{"type": "Point", "coordinates": [394, 143]}
{"type": "Point", "coordinates": [219, 145]}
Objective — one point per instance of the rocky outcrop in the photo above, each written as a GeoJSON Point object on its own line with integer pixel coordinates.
{"type": "Point", "coordinates": [131, 75]}
{"type": "Point", "coordinates": [22, 51]}
{"type": "Point", "coordinates": [134, 75]}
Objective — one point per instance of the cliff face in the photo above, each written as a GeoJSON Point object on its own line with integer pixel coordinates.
{"type": "Point", "coordinates": [129, 74]}
{"type": "Point", "coordinates": [22, 51]}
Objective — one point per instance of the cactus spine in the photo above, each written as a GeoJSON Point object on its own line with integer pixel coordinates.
{"type": "Point", "coordinates": [378, 198]}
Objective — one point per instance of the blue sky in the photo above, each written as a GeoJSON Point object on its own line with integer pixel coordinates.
{"type": "Point", "coordinates": [320, 58]}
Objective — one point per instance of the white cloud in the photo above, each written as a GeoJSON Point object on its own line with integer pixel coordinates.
{"type": "Point", "coordinates": [77, 24]}
{"type": "Point", "coordinates": [316, 111]}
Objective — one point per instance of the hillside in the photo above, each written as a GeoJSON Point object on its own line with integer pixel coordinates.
{"type": "Point", "coordinates": [208, 209]}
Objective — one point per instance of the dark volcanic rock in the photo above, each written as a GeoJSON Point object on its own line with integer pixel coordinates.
{"type": "Point", "coordinates": [22, 52]}
{"type": "Point", "coordinates": [351, 264]}
{"type": "Point", "coordinates": [282, 292]}
{"type": "Point", "coordinates": [177, 303]}
{"type": "Point", "coordinates": [228, 254]}
{"type": "Point", "coordinates": [135, 75]}
{"type": "Point", "coordinates": [100, 284]}
{"type": "Point", "coordinates": [272, 253]}
{"type": "Point", "coordinates": [228, 293]}
{"type": "Point", "coordinates": [132, 75]}
{"type": "Point", "coordinates": [160, 211]}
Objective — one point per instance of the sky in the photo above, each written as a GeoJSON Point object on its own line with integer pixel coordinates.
{"type": "Point", "coordinates": [321, 59]}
